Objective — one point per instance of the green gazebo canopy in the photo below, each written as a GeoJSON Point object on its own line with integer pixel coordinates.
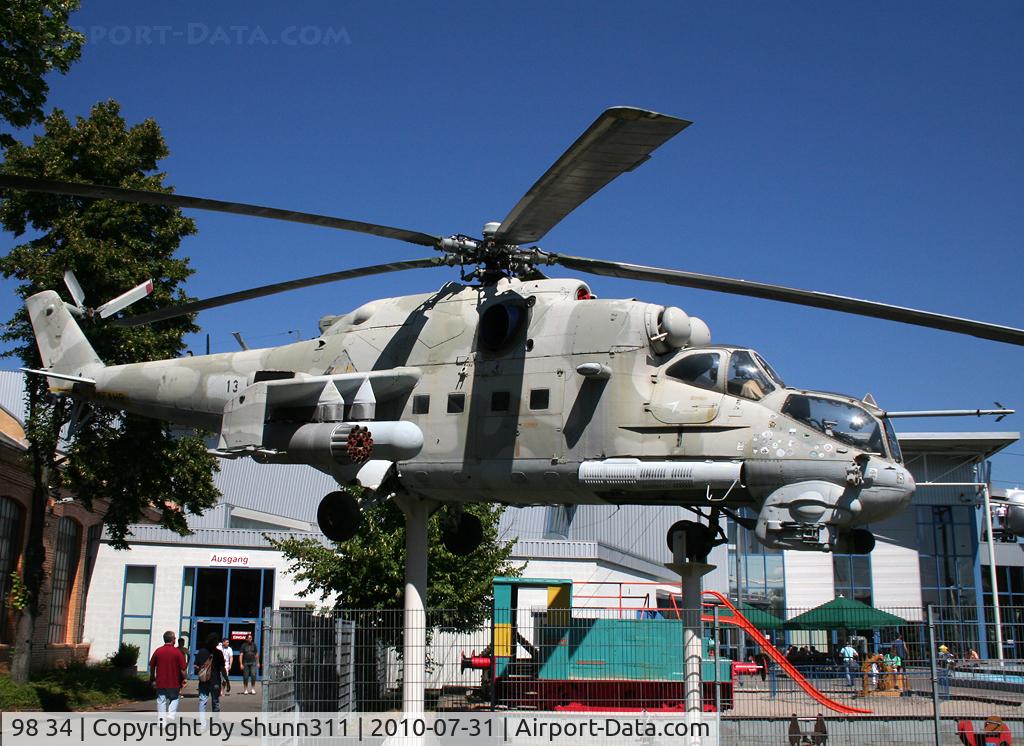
{"type": "Point", "coordinates": [844, 613]}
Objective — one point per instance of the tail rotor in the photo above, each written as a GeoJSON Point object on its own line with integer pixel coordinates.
{"type": "Point", "coordinates": [112, 306]}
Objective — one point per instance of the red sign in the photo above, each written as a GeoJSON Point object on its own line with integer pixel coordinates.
{"type": "Point", "coordinates": [239, 635]}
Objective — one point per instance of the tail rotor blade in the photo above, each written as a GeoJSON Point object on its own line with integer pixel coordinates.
{"type": "Point", "coordinates": [125, 299]}
{"type": "Point", "coordinates": [77, 294]}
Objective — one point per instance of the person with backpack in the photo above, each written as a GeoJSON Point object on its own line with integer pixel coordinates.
{"type": "Point", "coordinates": [210, 671]}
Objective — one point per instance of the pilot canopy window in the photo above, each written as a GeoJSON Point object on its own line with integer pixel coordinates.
{"type": "Point", "coordinates": [746, 379]}
{"type": "Point", "coordinates": [699, 369]}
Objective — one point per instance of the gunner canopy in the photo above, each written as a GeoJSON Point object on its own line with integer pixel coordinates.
{"type": "Point", "coordinates": [845, 422]}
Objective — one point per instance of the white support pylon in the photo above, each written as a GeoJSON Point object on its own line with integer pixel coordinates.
{"type": "Point", "coordinates": [414, 654]}
{"type": "Point", "coordinates": [690, 574]}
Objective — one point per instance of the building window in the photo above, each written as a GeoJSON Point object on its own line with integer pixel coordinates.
{"type": "Point", "coordinates": [421, 404]}
{"type": "Point", "coordinates": [137, 609]}
{"type": "Point", "coordinates": [92, 546]}
{"type": "Point", "coordinates": [946, 538]}
{"type": "Point", "coordinates": [65, 568]}
{"type": "Point", "coordinates": [1011, 609]}
{"type": "Point", "coordinates": [852, 576]}
{"type": "Point", "coordinates": [756, 575]}
{"type": "Point", "coordinates": [10, 547]}
{"type": "Point", "coordinates": [456, 403]}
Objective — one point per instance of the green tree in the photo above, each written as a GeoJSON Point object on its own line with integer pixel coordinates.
{"type": "Point", "coordinates": [368, 574]}
{"type": "Point", "coordinates": [34, 39]}
{"type": "Point", "coordinates": [135, 465]}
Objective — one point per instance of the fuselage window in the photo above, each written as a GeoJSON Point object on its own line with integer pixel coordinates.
{"type": "Point", "coordinates": [700, 369]}
{"type": "Point", "coordinates": [500, 401]}
{"type": "Point", "coordinates": [746, 379]}
{"type": "Point", "coordinates": [456, 403]}
{"type": "Point", "coordinates": [421, 404]}
{"type": "Point", "coordinates": [539, 398]}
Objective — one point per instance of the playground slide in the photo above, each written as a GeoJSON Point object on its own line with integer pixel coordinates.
{"type": "Point", "coordinates": [741, 621]}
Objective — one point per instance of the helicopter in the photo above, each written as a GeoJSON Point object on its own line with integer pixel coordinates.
{"type": "Point", "coordinates": [511, 387]}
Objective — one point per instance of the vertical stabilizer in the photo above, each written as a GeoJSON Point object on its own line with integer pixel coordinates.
{"type": "Point", "coordinates": [62, 345]}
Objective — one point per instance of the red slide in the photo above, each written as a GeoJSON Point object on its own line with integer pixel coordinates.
{"type": "Point", "coordinates": [741, 621]}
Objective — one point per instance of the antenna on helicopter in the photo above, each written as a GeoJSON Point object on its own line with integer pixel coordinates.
{"type": "Point", "coordinates": [112, 306]}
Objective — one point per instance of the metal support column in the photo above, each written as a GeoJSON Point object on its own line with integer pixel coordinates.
{"type": "Point", "coordinates": [992, 574]}
{"type": "Point", "coordinates": [690, 574]}
{"type": "Point", "coordinates": [414, 653]}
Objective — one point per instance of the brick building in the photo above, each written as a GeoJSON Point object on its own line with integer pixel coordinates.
{"type": "Point", "coordinates": [71, 536]}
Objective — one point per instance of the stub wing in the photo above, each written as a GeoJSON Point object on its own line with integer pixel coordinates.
{"type": "Point", "coordinates": [282, 402]}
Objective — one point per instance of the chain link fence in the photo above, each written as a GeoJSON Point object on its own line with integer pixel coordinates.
{"type": "Point", "coordinates": [774, 680]}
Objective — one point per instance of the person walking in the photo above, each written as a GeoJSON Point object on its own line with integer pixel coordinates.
{"type": "Point", "coordinates": [209, 668]}
{"type": "Point", "coordinates": [901, 648]}
{"type": "Point", "coordinates": [250, 662]}
{"type": "Point", "coordinates": [166, 674]}
{"type": "Point", "coordinates": [228, 654]}
{"type": "Point", "coordinates": [848, 654]}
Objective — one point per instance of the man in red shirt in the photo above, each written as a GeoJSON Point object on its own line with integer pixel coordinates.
{"type": "Point", "coordinates": [166, 675]}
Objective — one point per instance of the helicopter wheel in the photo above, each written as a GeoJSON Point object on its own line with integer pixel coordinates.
{"type": "Point", "coordinates": [461, 533]}
{"type": "Point", "coordinates": [339, 516]}
{"type": "Point", "coordinates": [700, 539]}
{"type": "Point", "coordinates": [856, 541]}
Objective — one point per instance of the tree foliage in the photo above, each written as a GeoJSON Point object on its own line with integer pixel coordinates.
{"type": "Point", "coordinates": [134, 462]}
{"type": "Point", "coordinates": [136, 465]}
{"type": "Point", "coordinates": [368, 572]}
{"type": "Point", "coordinates": [34, 39]}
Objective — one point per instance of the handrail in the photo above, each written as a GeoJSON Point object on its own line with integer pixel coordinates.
{"type": "Point", "coordinates": [743, 623]}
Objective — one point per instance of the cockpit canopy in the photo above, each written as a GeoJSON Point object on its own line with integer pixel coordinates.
{"type": "Point", "coordinates": [845, 422]}
{"type": "Point", "coordinates": [745, 372]}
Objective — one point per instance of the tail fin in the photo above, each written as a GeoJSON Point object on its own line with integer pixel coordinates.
{"type": "Point", "coordinates": [62, 345]}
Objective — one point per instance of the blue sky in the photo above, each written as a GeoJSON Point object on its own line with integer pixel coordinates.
{"type": "Point", "coordinates": [865, 149]}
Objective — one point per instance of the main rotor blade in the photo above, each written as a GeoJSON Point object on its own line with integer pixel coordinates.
{"type": "Point", "coordinates": [618, 141]}
{"type": "Point", "coordinates": [121, 194]}
{"type": "Point", "coordinates": [279, 287]}
{"type": "Point", "coordinates": [981, 329]}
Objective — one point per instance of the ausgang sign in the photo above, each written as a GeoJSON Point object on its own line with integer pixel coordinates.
{"type": "Point", "coordinates": [229, 559]}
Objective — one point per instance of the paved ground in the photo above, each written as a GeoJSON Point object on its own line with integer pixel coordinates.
{"type": "Point", "coordinates": [234, 702]}
{"type": "Point", "coordinates": [753, 700]}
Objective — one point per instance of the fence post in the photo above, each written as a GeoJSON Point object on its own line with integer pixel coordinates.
{"type": "Point", "coordinates": [266, 648]}
{"type": "Point", "coordinates": [935, 675]}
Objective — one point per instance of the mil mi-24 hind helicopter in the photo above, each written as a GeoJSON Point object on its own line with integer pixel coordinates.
{"type": "Point", "coordinates": [514, 388]}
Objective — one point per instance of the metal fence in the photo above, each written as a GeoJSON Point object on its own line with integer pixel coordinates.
{"type": "Point", "coordinates": [309, 662]}
{"type": "Point", "coordinates": [765, 679]}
